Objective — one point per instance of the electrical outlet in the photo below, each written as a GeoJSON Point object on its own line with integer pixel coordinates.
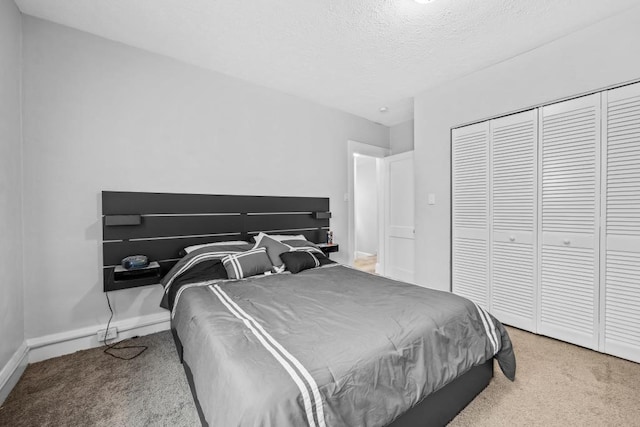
{"type": "Point", "coordinates": [111, 334]}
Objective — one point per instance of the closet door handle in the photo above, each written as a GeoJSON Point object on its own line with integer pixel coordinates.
{"type": "Point", "coordinates": [512, 238]}
{"type": "Point", "coordinates": [567, 241]}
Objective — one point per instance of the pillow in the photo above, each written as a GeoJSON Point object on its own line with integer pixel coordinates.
{"type": "Point", "coordinates": [302, 245]}
{"type": "Point", "coordinates": [192, 261]}
{"type": "Point", "coordinates": [321, 256]}
{"type": "Point", "coordinates": [274, 249]}
{"type": "Point", "coordinates": [231, 242]}
{"type": "Point", "coordinates": [246, 264]}
{"type": "Point", "coordinates": [208, 269]}
{"type": "Point", "coordinates": [300, 260]}
{"type": "Point", "coordinates": [279, 237]}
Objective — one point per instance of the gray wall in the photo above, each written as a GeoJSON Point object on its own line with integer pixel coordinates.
{"type": "Point", "coordinates": [99, 115]}
{"type": "Point", "coordinates": [592, 58]}
{"type": "Point", "coordinates": [401, 137]}
{"type": "Point", "coordinates": [11, 278]}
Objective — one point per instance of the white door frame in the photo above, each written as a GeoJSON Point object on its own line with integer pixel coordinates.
{"type": "Point", "coordinates": [354, 147]}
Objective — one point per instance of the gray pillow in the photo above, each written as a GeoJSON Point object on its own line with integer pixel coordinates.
{"type": "Point", "coordinates": [274, 249]}
{"type": "Point", "coordinates": [246, 264]}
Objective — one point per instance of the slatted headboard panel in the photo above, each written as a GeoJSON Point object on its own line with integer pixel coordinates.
{"type": "Point", "coordinates": [165, 223]}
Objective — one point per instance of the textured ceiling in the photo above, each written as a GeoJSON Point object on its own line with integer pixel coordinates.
{"type": "Point", "coordinates": [353, 55]}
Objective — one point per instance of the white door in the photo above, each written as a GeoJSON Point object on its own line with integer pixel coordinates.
{"type": "Point", "coordinates": [399, 227]}
{"type": "Point", "coordinates": [513, 148]}
{"type": "Point", "coordinates": [470, 190]}
{"type": "Point", "coordinates": [569, 203]}
{"type": "Point", "coordinates": [620, 263]}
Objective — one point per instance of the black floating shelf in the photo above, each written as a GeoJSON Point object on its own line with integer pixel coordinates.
{"type": "Point", "coordinates": [119, 278]}
{"type": "Point", "coordinates": [117, 220]}
{"type": "Point", "coordinates": [322, 215]}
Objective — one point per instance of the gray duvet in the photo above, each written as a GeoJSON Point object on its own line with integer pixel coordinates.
{"type": "Point", "coordinates": [329, 346]}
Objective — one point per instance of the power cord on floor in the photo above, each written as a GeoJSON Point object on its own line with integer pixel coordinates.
{"type": "Point", "coordinates": [115, 345]}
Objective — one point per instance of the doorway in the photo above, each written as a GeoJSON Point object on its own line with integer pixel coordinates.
{"type": "Point", "coordinates": [366, 202]}
{"type": "Point", "coordinates": [371, 153]}
{"type": "Point", "coordinates": [381, 211]}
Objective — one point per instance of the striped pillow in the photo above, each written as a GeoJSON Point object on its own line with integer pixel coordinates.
{"type": "Point", "coordinates": [246, 264]}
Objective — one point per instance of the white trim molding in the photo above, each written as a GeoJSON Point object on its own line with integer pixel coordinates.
{"type": "Point", "coordinates": [361, 254]}
{"type": "Point", "coordinates": [55, 345]}
{"type": "Point", "coordinates": [13, 370]}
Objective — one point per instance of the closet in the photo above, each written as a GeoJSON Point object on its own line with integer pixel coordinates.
{"type": "Point", "coordinates": [546, 219]}
{"type": "Point", "coordinates": [513, 218]}
{"type": "Point", "coordinates": [470, 198]}
{"type": "Point", "coordinates": [620, 224]}
{"type": "Point", "coordinates": [569, 205]}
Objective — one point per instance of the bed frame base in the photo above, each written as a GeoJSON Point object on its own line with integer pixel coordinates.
{"type": "Point", "coordinates": [442, 406]}
{"type": "Point", "coordinates": [435, 410]}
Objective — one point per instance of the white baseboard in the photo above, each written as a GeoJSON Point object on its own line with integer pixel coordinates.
{"type": "Point", "coordinates": [12, 371]}
{"type": "Point", "coordinates": [360, 254]}
{"type": "Point", "coordinates": [55, 345]}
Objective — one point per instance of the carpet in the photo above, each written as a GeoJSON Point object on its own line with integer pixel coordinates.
{"type": "Point", "coordinates": [557, 384]}
{"type": "Point", "coordinates": [91, 388]}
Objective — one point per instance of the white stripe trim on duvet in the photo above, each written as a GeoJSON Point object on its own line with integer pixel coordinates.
{"type": "Point", "coordinates": [195, 260]}
{"type": "Point", "coordinates": [254, 326]}
{"type": "Point", "coordinates": [184, 288]}
{"type": "Point", "coordinates": [487, 329]}
{"type": "Point", "coordinates": [493, 330]}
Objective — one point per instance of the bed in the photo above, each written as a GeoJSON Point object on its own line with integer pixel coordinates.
{"type": "Point", "coordinates": [329, 345]}
{"type": "Point", "coordinates": [322, 344]}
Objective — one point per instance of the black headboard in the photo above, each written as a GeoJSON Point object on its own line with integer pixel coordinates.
{"type": "Point", "coordinates": [160, 225]}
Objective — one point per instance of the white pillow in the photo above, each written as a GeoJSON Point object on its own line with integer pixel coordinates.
{"type": "Point", "coordinates": [279, 237]}
{"type": "Point", "coordinates": [231, 242]}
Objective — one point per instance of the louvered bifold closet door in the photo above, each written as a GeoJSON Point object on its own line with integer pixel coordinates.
{"type": "Point", "coordinates": [513, 146]}
{"type": "Point", "coordinates": [569, 179]}
{"type": "Point", "coordinates": [620, 278]}
{"type": "Point", "coordinates": [470, 216]}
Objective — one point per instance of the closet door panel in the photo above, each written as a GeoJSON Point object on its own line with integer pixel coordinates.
{"type": "Point", "coordinates": [470, 216]}
{"type": "Point", "coordinates": [513, 149]}
{"type": "Point", "coordinates": [512, 285]}
{"type": "Point", "coordinates": [569, 203]}
{"type": "Point", "coordinates": [470, 269]}
{"type": "Point", "coordinates": [621, 224]}
{"type": "Point", "coordinates": [568, 295]}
